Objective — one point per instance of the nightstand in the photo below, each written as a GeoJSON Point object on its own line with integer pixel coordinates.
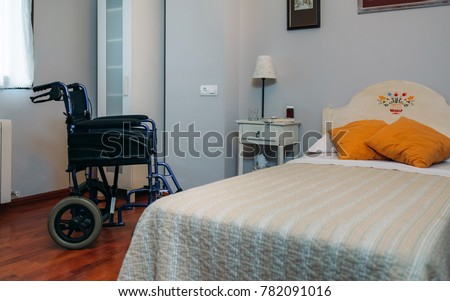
{"type": "Point", "coordinates": [272, 132]}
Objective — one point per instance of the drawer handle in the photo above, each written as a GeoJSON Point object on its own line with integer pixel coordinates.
{"type": "Point", "coordinates": [260, 139]}
{"type": "Point", "coordinates": [258, 134]}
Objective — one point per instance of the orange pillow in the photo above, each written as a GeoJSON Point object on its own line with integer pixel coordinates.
{"type": "Point", "coordinates": [408, 141]}
{"type": "Point", "coordinates": [349, 140]}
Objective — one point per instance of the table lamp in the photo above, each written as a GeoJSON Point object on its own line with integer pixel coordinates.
{"type": "Point", "coordinates": [264, 69]}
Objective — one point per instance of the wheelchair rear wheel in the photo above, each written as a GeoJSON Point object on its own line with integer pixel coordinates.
{"type": "Point", "coordinates": [75, 222]}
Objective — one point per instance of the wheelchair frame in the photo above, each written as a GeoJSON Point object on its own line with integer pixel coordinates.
{"type": "Point", "coordinates": [75, 222]}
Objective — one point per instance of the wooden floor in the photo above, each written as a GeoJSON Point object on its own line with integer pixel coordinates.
{"type": "Point", "coordinates": [27, 252]}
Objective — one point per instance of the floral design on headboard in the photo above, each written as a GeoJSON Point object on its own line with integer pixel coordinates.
{"type": "Point", "coordinates": [396, 101]}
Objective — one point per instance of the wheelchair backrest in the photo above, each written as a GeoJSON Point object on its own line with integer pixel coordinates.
{"type": "Point", "coordinates": [79, 103]}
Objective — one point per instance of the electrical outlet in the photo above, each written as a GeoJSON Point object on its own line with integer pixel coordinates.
{"type": "Point", "coordinates": [208, 90]}
{"type": "Point", "coordinates": [15, 193]}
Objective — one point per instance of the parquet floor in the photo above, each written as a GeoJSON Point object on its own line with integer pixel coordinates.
{"type": "Point", "coordinates": [27, 252]}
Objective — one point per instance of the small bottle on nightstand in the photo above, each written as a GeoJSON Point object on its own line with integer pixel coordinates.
{"type": "Point", "coordinates": [290, 112]}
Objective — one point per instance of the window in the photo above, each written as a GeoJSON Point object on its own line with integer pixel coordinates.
{"type": "Point", "coordinates": [16, 44]}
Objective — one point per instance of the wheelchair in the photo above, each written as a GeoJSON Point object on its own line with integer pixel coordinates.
{"type": "Point", "coordinates": [94, 144]}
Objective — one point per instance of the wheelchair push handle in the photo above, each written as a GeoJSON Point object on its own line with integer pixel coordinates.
{"type": "Point", "coordinates": [42, 87]}
{"type": "Point", "coordinates": [55, 92]}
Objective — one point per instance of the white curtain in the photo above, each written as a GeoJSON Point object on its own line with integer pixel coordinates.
{"type": "Point", "coordinates": [16, 44]}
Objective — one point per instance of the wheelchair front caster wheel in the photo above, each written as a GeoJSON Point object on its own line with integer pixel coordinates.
{"type": "Point", "coordinates": [96, 191]}
{"type": "Point", "coordinates": [75, 222]}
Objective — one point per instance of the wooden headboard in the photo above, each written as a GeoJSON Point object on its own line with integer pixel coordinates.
{"type": "Point", "coordinates": [391, 99]}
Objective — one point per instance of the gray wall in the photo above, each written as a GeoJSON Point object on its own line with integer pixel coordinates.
{"type": "Point", "coordinates": [65, 50]}
{"type": "Point", "coordinates": [327, 66]}
{"type": "Point", "coordinates": [202, 47]}
{"type": "Point", "coordinates": [316, 68]}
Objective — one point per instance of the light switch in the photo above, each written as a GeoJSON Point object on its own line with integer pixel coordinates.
{"type": "Point", "coordinates": [208, 90]}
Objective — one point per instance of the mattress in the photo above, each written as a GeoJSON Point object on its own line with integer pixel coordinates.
{"type": "Point", "coordinates": [301, 221]}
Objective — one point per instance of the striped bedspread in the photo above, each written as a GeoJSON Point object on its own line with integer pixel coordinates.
{"type": "Point", "coordinates": [298, 222]}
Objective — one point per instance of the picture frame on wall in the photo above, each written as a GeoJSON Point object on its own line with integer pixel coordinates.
{"type": "Point", "coordinates": [303, 14]}
{"type": "Point", "coordinates": [371, 6]}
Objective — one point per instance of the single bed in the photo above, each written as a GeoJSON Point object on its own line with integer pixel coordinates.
{"type": "Point", "coordinates": [314, 218]}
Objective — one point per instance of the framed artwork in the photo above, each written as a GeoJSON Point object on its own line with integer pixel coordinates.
{"type": "Point", "coordinates": [303, 14]}
{"type": "Point", "coordinates": [370, 6]}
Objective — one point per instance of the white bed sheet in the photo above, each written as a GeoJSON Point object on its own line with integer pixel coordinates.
{"type": "Point", "coordinates": [440, 169]}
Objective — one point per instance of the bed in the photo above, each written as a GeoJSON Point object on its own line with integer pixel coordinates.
{"type": "Point", "coordinates": [318, 217]}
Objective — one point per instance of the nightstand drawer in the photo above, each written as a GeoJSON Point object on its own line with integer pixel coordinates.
{"type": "Point", "coordinates": [257, 134]}
{"type": "Point", "coordinates": [269, 134]}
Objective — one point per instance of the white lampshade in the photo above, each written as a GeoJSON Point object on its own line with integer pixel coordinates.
{"type": "Point", "coordinates": [264, 67]}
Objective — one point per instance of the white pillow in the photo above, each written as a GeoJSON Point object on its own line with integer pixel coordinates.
{"type": "Point", "coordinates": [332, 156]}
{"type": "Point", "coordinates": [323, 145]}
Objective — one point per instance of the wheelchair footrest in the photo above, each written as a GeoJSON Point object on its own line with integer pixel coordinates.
{"type": "Point", "coordinates": [110, 225]}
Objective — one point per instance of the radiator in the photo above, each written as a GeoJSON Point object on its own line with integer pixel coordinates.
{"type": "Point", "coordinates": [5, 161]}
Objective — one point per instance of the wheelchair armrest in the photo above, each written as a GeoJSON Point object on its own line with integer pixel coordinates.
{"type": "Point", "coordinates": [138, 117]}
{"type": "Point", "coordinates": [107, 123]}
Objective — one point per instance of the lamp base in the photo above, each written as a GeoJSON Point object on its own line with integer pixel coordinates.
{"type": "Point", "coordinates": [262, 98]}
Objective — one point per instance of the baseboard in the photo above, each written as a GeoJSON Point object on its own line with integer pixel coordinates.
{"type": "Point", "coordinates": [62, 193]}
{"type": "Point", "coordinates": [57, 195]}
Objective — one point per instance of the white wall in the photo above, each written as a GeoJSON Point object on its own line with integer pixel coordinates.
{"type": "Point", "coordinates": [65, 50]}
{"type": "Point", "coordinates": [147, 78]}
{"type": "Point", "coordinates": [148, 59]}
